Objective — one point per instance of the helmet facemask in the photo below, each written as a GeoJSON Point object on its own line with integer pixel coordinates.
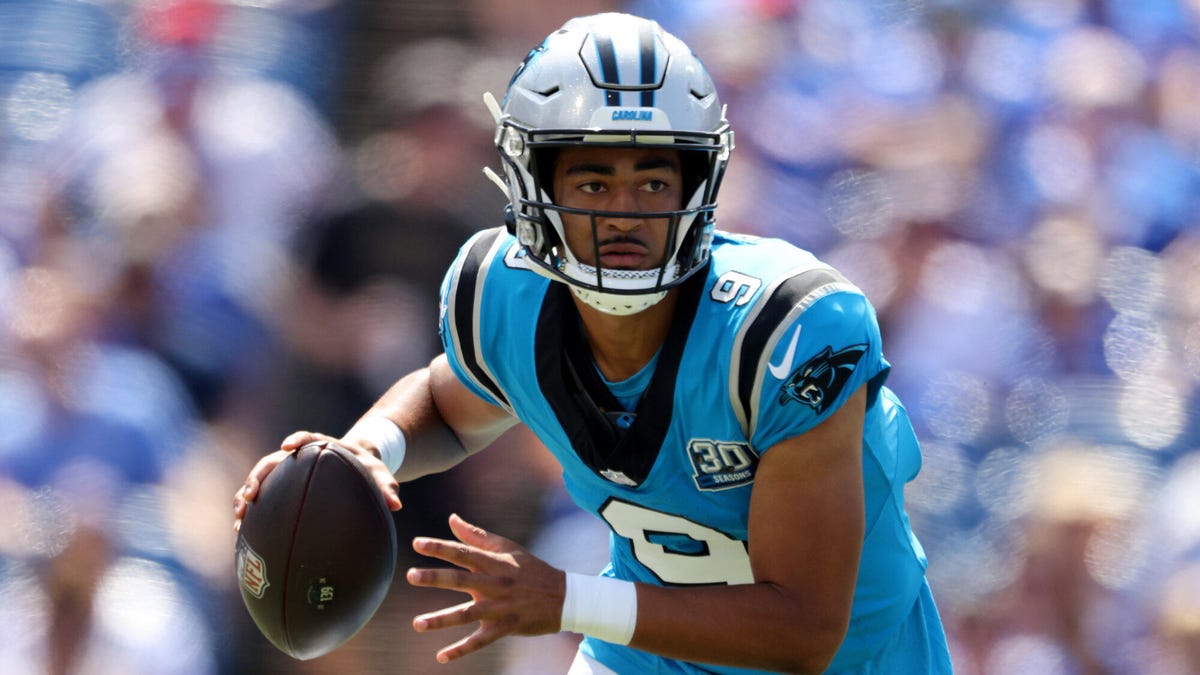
{"type": "Point", "coordinates": [611, 81]}
{"type": "Point", "coordinates": [537, 219]}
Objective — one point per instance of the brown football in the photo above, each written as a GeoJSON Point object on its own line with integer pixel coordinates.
{"type": "Point", "coordinates": [316, 551]}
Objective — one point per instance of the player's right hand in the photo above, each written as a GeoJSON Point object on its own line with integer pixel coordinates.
{"type": "Point", "coordinates": [375, 468]}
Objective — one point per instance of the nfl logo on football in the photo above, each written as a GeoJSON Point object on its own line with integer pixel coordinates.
{"type": "Point", "coordinates": [252, 570]}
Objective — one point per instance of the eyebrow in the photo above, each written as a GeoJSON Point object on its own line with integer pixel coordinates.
{"type": "Point", "coordinates": [648, 164]}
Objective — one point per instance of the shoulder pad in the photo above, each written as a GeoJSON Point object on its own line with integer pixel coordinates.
{"type": "Point", "coordinates": [773, 313]}
{"type": "Point", "coordinates": [461, 309]}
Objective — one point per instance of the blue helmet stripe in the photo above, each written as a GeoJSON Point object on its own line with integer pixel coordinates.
{"type": "Point", "coordinates": [608, 68]}
{"type": "Point", "coordinates": [649, 58]}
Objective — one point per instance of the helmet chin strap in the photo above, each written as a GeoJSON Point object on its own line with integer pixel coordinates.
{"type": "Point", "coordinates": [618, 305]}
{"type": "Point", "coordinates": [642, 282]}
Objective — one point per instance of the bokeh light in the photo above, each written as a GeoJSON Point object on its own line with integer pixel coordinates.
{"type": "Point", "coordinates": [1064, 256]}
{"type": "Point", "coordinates": [1153, 412]}
{"type": "Point", "coordinates": [39, 106]}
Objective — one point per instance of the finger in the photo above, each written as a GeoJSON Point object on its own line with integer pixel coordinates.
{"type": "Point", "coordinates": [239, 504]}
{"type": "Point", "coordinates": [478, 537]}
{"type": "Point", "coordinates": [242, 497]}
{"type": "Point", "coordinates": [390, 488]}
{"type": "Point", "coordinates": [436, 578]}
{"type": "Point", "coordinates": [391, 495]}
{"type": "Point", "coordinates": [454, 579]}
{"type": "Point", "coordinates": [482, 637]}
{"type": "Point", "coordinates": [450, 617]}
{"type": "Point", "coordinates": [384, 479]}
{"type": "Point", "coordinates": [454, 552]}
{"type": "Point", "coordinates": [264, 466]}
{"type": "Point", "coordinates": [299, 439]}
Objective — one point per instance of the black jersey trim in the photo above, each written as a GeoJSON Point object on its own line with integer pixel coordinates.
{"type": "Point", "coordinates": [583, 404]}
{"type": "Point", "coordinates": [463, 309]}
{"type": "Point", "coordinates": [773, 314]}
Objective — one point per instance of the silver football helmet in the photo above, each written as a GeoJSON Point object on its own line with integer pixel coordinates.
{"type": "Point", "coordinates": [611, 80]}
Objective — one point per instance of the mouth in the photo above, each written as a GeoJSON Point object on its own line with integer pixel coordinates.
{"type": "Point", "coordinates": [627, 254]}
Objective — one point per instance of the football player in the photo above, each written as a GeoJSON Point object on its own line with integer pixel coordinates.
{"type": "Point", "coordinates": [717, 400]}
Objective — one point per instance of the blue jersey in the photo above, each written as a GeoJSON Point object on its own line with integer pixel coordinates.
{"type": "Point", "coordinates": [767, 343]}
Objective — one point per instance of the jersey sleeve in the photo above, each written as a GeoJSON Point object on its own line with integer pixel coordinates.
{"type": "Point", "coordinates": [462, 296]}
{"type": "Point", "coordinates": [818, 358]}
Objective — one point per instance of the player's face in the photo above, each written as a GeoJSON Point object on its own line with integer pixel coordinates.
{"type": "Point", "coordinates": [627, 180]}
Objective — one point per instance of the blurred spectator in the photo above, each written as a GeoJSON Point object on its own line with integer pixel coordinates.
{"type": "Point", "coordinates": [1065, 611]}
{"type": "Point", "coordinates": [137, 297]}
{"type": "Point", "coordinates": [188, 179]}
{"type": "Point", "coordinates": [91, 430]}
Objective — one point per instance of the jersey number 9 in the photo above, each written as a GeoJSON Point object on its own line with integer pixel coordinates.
{"type": "Point", "coordinates": [677, 550]}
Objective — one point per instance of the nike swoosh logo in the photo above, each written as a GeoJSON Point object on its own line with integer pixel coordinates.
{"type": "Point", "coordinates": [784, 368]}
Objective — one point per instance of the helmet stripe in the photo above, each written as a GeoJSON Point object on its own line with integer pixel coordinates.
{"type": "Point", "coordinates": [648, 57]}
{"type": "Point", "coordinates": [608, 69]}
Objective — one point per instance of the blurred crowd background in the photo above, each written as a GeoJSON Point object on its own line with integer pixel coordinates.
{"type": "Point", "coordinates": [223, 220]}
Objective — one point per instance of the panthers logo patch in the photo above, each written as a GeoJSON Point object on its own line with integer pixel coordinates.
{"type": "Point", "coordinates": [818, 382]}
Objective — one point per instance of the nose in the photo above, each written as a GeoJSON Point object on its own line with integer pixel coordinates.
{"type": "Point", "coordinates": [625, 201]}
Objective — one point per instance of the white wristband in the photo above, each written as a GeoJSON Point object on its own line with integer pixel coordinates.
{"type": "Point", "coordinates": [602, 607]}
{"type": "Point", "coordinates": [385, 435]}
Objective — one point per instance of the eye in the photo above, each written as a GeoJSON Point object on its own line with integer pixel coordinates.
{"type": "Point", "coordinates": [655, 185]}
{"type": "Point", "coordinates": [594, 187]}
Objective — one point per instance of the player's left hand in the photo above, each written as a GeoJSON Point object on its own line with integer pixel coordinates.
{"type": "Point", "coordinates": [512, 591]}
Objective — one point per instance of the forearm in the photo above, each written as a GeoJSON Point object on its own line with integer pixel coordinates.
{"type": "Point", "coordinates": [759, 625]}
{"type": "Point", "coordinates": [431, 446]}
{"type": "Point", "coordinates": [442, 422]}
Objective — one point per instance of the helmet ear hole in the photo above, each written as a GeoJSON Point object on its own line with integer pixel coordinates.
{"type": "Point", "coordinates": [534, 232]}
{"type": "Point", "coordinates": [510, 219]}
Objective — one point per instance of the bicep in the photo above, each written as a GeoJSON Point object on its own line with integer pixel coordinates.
{"type": "Point", "coordinates": [807, 514]}
{"type": "Point", "coordinates": [476, 422]}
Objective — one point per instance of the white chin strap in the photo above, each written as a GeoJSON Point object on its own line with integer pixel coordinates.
{"type": "Point", "coordinates": [618, 305]}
